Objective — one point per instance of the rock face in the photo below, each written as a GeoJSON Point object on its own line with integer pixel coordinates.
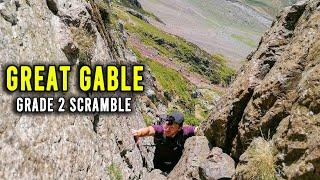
{"type": "Point", "coordinates": [199, 162]}
{"type": "Point", "coordinates": [276, 94]}
{"type": "Point", "coordinates": [65, 146]}
{"type": "Point", "coordinates": [156, 174]}
{"type": "Point", "coordinates": [135, 4]}
{"type": "Point", "coordinates": [218, 165]}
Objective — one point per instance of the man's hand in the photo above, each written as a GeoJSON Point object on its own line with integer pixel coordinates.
{"type": "Point", "coordinates": [147, 131]}
{"type": "Point", "coordinates": [135, 134]}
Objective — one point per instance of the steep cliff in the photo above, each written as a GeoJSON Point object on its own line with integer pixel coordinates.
{"type": "Point", "coordinates": [276, 95]}
{"type": "Point", "coordinates": [64, 146]}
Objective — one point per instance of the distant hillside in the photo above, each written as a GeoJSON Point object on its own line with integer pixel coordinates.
{"type": "Point", "coordinates": [270, 7]}
{"type": "Point", "coordinates": [230, 27]}
{"type": "Point", "coordinates": [218, 26]}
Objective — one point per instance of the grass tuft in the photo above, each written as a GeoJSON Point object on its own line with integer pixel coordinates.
{"type": "Point", "coordinates": [85, 41]}
{"type": "Point", "coordinates": [259, 161]}
{"type": "Point", "coordinates": [147, 119]}
{"type": "Point", "coordinates": [114, 172]}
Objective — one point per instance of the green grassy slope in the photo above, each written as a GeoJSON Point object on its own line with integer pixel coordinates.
{"type": "Point", "coordinates": [177, 89]}
{"type": "Point", "coordinates": [177, 48]}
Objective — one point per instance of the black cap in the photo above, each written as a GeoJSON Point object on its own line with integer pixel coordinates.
{"type": "Point", "coordinates": [176, 117]}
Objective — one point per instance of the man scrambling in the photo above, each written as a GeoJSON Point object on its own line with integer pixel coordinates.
{"type": "Point", "coordinates": [169, 139]}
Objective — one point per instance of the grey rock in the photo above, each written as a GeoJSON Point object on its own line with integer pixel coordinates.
{"type": "Point", "coordinates": [199, 162]}
{"type": "Point", "coordinates": [155, 174]}
{"type": "Point", "coordinates": [218, 165]}
{"type": "Point", "coordinates": [196, 94]}
{"type": "Point", "coordinates": [150, 93]}
{"type": "Point", "coordinates": [64, 146]}
{"type": "Point", "coordinates": [132, 3]}
{"type": "Point", "coordinates": [137, 14]}
{"type": "Point", "coordinates": [7, 11]}
{"type": "Point", "coordinates": [196, 150]}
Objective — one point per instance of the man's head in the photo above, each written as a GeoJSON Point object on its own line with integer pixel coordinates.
{"type": "Point", "coordinates": [173, 124]}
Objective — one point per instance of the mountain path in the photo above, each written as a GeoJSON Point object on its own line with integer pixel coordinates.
{"type": "Point", "coordinates": [194, 78]}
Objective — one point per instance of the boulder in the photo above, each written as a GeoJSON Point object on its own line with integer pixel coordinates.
{"type": "Point", "coordinates": [199, 162]}
{"type": "Point", "coordinates": [137, 14]}
{"type": "Point", "coordinates": [218, 165]}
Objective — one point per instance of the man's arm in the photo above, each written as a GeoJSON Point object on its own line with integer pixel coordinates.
{"type": "Point", "coordinates": [147, 131]}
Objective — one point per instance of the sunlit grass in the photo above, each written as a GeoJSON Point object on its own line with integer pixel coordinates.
{"type": "Point", "coordinates": [245, 40]}
{"type": "Point", "coordinates": [261, 161]}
